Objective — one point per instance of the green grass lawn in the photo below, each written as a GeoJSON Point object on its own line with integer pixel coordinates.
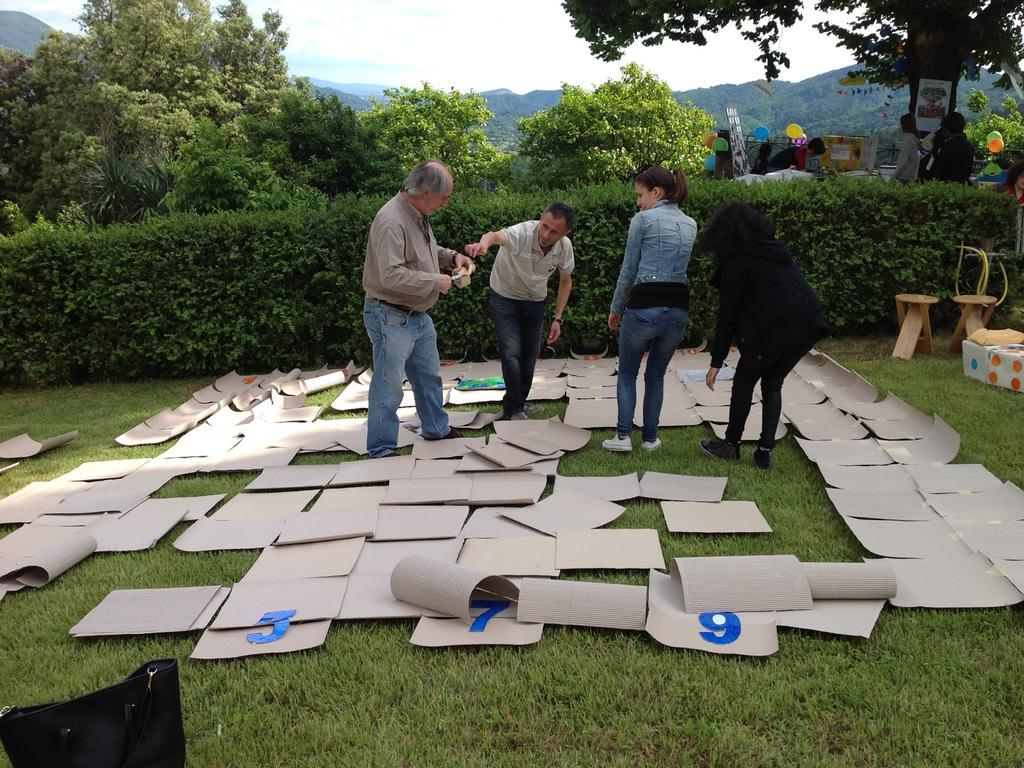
{"type": "Point", "coordinates": [930, 688]}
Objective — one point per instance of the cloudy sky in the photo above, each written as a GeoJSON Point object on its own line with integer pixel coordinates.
{"type": "Point", "coordinates": [482, 44]}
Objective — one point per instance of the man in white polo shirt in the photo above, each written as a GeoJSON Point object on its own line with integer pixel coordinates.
{"type": "Point", "coordinates": [529, 252]}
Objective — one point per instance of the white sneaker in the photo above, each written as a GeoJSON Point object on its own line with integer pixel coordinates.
{"type": "Point", "coordinates": [618, 444]}
{"type": "Point", "coordinates": [651, 445]}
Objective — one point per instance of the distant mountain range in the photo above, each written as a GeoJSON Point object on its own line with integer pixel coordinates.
{"type": "Point", "coordinates": [816, 103]}
{"type": "Point", "coordinates": [21, 32]}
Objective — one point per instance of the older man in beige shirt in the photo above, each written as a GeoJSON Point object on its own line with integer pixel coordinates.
{"type": "Point", "coordinates": [402, 280]}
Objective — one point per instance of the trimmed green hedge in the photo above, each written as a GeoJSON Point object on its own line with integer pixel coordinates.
{"type": "Point", "coordinates": [184, 295]}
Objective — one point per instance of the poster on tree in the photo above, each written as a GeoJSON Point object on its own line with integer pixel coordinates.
{"type": "Point", "coordinates": [932, 103]}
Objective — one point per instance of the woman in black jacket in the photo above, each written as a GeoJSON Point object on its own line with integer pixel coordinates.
{"type": "Point", "coordinates": [767, 307]}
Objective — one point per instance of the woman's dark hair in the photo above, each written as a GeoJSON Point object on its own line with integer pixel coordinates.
{"type": "Point", "coordinates": [817, 146]}
{"type": "Point", "coordinates": [732, 229]}
{"type": "Point", "coordinates": [1013, 173]}
{"type": "Point", "coordinates": [908, 123]}
{"type": "Point", "coordinates": [673, 182]}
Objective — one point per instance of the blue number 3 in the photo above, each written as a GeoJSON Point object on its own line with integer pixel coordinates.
{"type": "Point", "coordinates": [724, 627]}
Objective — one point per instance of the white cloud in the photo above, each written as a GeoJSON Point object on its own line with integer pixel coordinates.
{"type": "Point", "coordinates": [482, 44]}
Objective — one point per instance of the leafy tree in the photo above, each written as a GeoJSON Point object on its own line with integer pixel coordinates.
{"type": "Point", "coordinates": [124, 188]}
{"type": "Point", "coordinates": [251, 70]}
{"type": "Point", "coordinates": [613, 132]}
{"type": "Point", "coordinates": [212, 174]}
{"type": "Point", "coordinates": [15, 95]}
{"type": "Point", "coordinates": [1008, 121]}
{"type": "Point", "coordinates": [898, 40]}
{"type": "Point", "coordinates": [416, 124]}
{"type": "Point", "coordinates": [314, 141]}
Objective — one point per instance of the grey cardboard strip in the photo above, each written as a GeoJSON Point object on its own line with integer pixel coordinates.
{"type": "Point", "coordinates": [889, 477]}
{"type": "Point", "coordinates": [953, 478]}
{"type": "Point", "coordinates": [373, 471]}
{"type": "Point", "coordinates": [474, 463]}
{"type": "Point", "coordinates": [613, 548]}
{"type": "Point", "coordinates": [48, 562]}
{"type": "Point", "coordinates": [506, 488]}
{"type": "Point", "coordinates": [844, 452]}
{"type": "Point", "coordinates": [402, 523]}
{"type": "Point", "coordinates": [369, 596]}
{"type": "Point", "coordinates": [446, 587]}
{"type": "Point", "coordinates": [940, 446]}
{"type": "Point", "coordinates": [511, 456]}
{"type": "Point", "coordinates": [349, 500]}
{"type": "Point", "coordinates": [294, 476]}
{"type": "Point", "coordinates": [714, 517]}
{"type": "Point", "coordinates": [855, 618]}
{"type": "Point", "coordinates": [445, 449]}
{"type": "Point", "coordinates": [490, 523]}
{"type": "Point", "coordinates": [430, 490]}
{"type": "Point", "coordinates": [328, 526]}
{"type": "Point", "coordinates": [907, 504]}
{"type": "Point", "coordinates": [521, 556]}
{"type": "Point", "coordinates": [1004, 503]}
{"type": "Point", "coordinates": [23, 446]}
{"type": "Point", "coordinates": [850, 581]}
{"type": "Point", "coordinates": [305, 561]}
{"type": "Point", "coordinates": [436, 467]}
{"type": "Point", "coordinates": [9, 467]}
{"type": "Point", "coordinates": [583, 604]}
{"type": "Point", "coordinates": [92, 471]}
{"type": "Point", "coordinates": [382, 557]}
{"type": "Point", "coordinates": [151, 611]}
{"type": "Point", "coordinates": [275, 505]}
{"type": "Point", "coordinates": [207, 535]}
{"type": "Point", "coordinates": [997, 541]}
{"type": "Point", "coordinates": [756, 583]}
{"type": "Point", "coordinates": [929, 540]}
{"type": "Point", "coordinates": [824, 422]}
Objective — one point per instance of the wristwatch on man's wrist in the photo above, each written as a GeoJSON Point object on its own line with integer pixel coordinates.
{"type": "Point", "coordinates": [556, 319]}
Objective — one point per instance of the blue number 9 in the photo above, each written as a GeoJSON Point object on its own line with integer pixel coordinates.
{"type": "Point", "coordinates": [724, 627]}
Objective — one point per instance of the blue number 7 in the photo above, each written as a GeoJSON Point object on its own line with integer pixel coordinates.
{"type": "Point", "coordinates": [494, 607]}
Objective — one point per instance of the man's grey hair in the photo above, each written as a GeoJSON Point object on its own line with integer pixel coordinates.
{"type": "Point", "coordinates": [430, 176]}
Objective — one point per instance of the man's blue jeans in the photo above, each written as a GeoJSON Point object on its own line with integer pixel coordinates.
{"type": "Point", "coordinates": [404, 346]}
{"type": "Point", "coordinates": [518, 325]}
{"type": "Point", "coordinates": [656, 331]}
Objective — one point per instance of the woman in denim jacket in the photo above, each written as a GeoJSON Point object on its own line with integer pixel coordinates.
{"type": "Point", "coordinates": [651, 299]}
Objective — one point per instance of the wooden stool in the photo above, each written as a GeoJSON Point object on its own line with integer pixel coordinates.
{"type": "Point", "coordinates": [915, 328]}
{"type": "Point", "coordinates": [975, 311]}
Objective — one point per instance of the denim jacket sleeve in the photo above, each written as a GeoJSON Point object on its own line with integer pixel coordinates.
{"type": "Point", "coordinates": [630, 265]}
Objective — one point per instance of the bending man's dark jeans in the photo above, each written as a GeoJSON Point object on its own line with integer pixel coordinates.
{"type": "Point", "coordinates": [518, 325]}
{"type": "Point", "coordinates": [772, 370]}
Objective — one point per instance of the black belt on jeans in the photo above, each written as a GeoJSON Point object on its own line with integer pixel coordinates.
{"type": "Point", "coordinates": [406, 310]}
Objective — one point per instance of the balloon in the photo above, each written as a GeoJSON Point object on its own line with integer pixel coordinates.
{"type": "Point", "coordinates": [709, 138]}
{"type": "Point", "coordinates": [720, 145]}
{"type": "Point", "coordinates": [709, 163]}
{"type": "Point", "coordinates": [994, 135]}
{"type": "Point", "coordinates": [761, 133]}
{"type": "Point", "coordinates": [995, 146]}
{"type": "Point", "coordinates": [794, 131]}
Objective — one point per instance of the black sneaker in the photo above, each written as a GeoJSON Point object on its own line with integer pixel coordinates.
{"type": "Point", "coordinates": [720, 449]}
{"type": "Point", "coordinates": [763, 458]}
{"type": "Point", "coordinates": [452, 434]}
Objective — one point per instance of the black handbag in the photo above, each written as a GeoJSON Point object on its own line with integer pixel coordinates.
{"type": "Point", "coordinates": [133, 724]}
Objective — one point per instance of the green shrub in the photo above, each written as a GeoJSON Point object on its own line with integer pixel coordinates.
{"type": "Point", "coordinates": [188, 294]}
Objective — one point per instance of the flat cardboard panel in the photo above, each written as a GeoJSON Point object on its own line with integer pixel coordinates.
{"type": "Point", "coordinates": [521, 556]}
{"type": "Point", "coordinates": [506, 488]}
{"type": "Point", "coordinates": [995, 540]}
{"type": "Point", "coordinates": [232, 643]}
{"type": "Point", "coordinates": [490, 523]}
{"type": "Point", "coordinates": [844, 452]}
{"type": "Point", "coordinates": [382, 557]}
{"type": "Point", "coordinates": [294, 476]}
{"type": "Point", "coordinates": [889, 477]}
{"type": "Point", "coordinates": [439, 490]}
{"type": "Point", "coordinates": [139, 529]}
{"type": "Point", "coordinates": [311, 599]}
{"type": "Point", "coordinates": [582, 604]}
{"type": "Point", "coordinates": [856, 618]}
{"type": "Point", "coordinates": [208, 535]}
{"type": "Point", "coordinates": [302, 561]}
{"type": "Point", "coordinates": [714, 517]}
{"type": "Point", "coordinates": [1005, 503]}
{"type": "Point", "coordinates": [350, 500]}
{"type": "Point", "coordinates": [475, 463]}
{"type": "Point", "coordinates": [419, 521]}
{"type": "Point", "coordinates": [328, 526]}
{"type": "Point", "coordinates": [436, 468]}
{"type": "Point", "coordinates": [616, 548]}
{"type": "Point", "coordinates": [511, 456]}
{"type": "Point", "coordinates": [889, 409]}
{"type": "Point", "coordinates": [566, 508]}
{"type": "Point", "coordinates": [939, 447]}
{"type": "Point", "coordinates": [276, 505]}
{"type": "Point", "coordinates": [670, 625]}
{"type": "Point", "coordinates": [592, 414]}
{"type": "Point", "coordinates": [669, 487]}
{"type": "Point", "coordinates": [618, 488]}
{"type": "Point", "coordinates": [968, 580]}
{"type": "Point", "coordinates": [439, 633]}
{"type": "Point", "coordinates": [92, 471]}
{"type": "Point", "coordinates": [881, 505]}
{"type": "Point", "coordinates": [373, 471]}
{"type": "Point", "coordinates": [445, 449]}
{"type": "Point", "coordinates": [151, 611]}
{"type": "Point", "coordinates": [929, 540]}
{"type": "Point", "coordinates": [953, 478]}
{"type": "Point", "coordinates": [824, 422]}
